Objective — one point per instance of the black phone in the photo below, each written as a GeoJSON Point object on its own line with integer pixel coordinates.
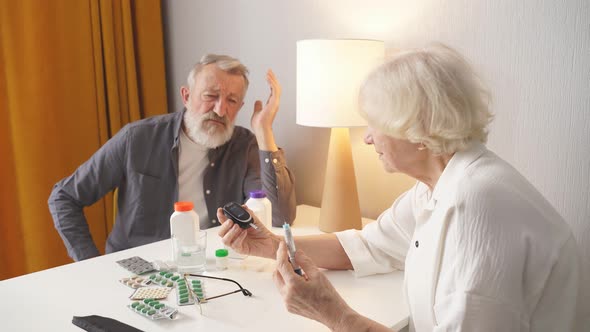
{"type": "Point", "coordinates": [237, 214]}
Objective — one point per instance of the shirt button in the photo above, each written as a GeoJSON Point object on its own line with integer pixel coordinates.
{"type": "Point", "coordinates": [213, 221]}
{"type": "Point", "coordinates": [266, 160]}
{"type": "Point", "coordinates": [207, 191]}
{"type": "Point", "coordinates": [417, 244]}
{"type": "Point", "coordinates": [212, 164]}
{"type": "Point", "coordinates": [275, 160]}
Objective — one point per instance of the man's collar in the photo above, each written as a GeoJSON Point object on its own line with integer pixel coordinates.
{"type": "Point", "coordinates": [178, 119]}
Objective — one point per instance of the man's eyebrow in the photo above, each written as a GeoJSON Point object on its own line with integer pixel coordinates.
{"type": "Point", "coordinates": [231, 94]}
{"type": "Point", "coordinates": [216, 89]}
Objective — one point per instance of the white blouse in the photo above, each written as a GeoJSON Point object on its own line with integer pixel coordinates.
{"type": "Point", "coordinates": [484, 251]}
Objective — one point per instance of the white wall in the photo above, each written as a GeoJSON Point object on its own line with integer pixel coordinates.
{"type": "Point", "coordinates": [534, 54]}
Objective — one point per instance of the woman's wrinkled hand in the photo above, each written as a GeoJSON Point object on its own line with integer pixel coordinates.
{"type": "Point", "coordinates": [257, 242]}
{"type": "Point", "coordinates": [311, 295]}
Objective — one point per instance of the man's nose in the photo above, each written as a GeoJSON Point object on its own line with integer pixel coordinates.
{"type": "Point", "coordinates": [220, 107]}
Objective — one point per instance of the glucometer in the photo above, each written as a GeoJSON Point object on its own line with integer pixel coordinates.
{"type": "Point", "coordinates": [238, 215]}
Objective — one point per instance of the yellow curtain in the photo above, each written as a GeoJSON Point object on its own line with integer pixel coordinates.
{"type": "Point", "coordinates": [72, 73]}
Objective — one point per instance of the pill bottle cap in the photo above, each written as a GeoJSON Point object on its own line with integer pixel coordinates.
{"type": "Point", "coordinates": [183, 206]}
{"type": "Point", "coordinates": [257, 194]}
{"type": "Point", "coordinates": [221, 253]}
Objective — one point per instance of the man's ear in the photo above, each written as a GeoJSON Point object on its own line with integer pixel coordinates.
{"type": "Point", "coordinates": [185, 94]}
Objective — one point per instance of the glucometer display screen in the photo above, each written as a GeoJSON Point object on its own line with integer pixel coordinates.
{"type": "Point", "coordinates": [237, 211]}
{"type": "Point", "coordinates": [238, 214]}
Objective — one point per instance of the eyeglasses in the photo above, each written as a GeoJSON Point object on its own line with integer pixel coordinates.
{"type": "Point", "coordinates": [199, 300]}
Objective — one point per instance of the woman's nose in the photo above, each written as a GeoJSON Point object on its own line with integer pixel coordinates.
{"type": "Point", "coordinates": [368, 138]}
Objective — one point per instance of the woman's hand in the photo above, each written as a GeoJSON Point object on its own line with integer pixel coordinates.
{"type": "Point", "coordinates": [311, 295]}
{"type": "Point", "coordinates": [258, 242]}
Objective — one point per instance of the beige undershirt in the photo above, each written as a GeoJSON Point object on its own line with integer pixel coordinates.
{"type": "Point", "coordinates": [192, 162]}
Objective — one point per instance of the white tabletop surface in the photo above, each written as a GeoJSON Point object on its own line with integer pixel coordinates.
{"type": "Point", "coordinates": [47, 300]}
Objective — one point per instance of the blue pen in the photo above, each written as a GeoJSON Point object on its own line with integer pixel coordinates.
{"type": "Point", "coordinates": [291, 248]}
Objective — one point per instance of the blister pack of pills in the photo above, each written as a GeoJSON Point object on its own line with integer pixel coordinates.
{"type": "Point", "coordinates": [164, 278]}
{"type": "Point", "coordinates": [164, 265]}
{"type": "Point", "coordinates": [135, 282]}
{"type": "Point", "coordinates": [136, 265]}
{"type": "Point", "coordinates": [153, 309]}
{"type": "Point", "coordinates": [185, 296]}
{"type": "Point", "coordinates": [150, 293]}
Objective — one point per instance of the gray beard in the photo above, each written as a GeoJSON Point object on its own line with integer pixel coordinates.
{"type": "Point", "coordinates": [210, 136]}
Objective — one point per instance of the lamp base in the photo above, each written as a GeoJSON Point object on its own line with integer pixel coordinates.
{"type": "Point", "coordinates": [340, 203]}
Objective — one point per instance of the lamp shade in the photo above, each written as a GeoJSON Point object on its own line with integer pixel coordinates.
{"type": "Point", "coordinates": [329, 74]}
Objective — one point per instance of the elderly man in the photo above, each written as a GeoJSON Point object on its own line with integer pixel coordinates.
{"type": "Point", "coordinates": [195, 155]}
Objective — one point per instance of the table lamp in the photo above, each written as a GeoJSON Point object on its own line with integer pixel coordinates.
{"type": "Point", "coordinates": [329, 74]}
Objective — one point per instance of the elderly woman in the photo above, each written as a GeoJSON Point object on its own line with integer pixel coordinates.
{"type": "Point", "coordinates": [481, 248]}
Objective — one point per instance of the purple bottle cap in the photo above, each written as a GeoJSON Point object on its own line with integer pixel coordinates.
{"type": "Point", "coordinates": [257, 194]}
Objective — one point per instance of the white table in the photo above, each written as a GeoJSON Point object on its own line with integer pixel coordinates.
{"type": "Point", "coordinates": [47, 300]}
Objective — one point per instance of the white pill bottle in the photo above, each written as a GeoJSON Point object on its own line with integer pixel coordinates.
{"type": "Point", "coordinates": [184, 231]}
{"type": "Point", "coordinates": [261, 207]}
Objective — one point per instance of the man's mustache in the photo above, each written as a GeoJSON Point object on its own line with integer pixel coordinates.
{"type": "Point", "coordinates": [214, 116]}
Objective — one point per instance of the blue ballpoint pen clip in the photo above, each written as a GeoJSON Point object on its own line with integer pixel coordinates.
{"type": "Point", "coordinates": [291, 248]}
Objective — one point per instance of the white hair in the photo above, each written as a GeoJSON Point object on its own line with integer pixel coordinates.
{"type": "Point", "coordinates": [224, 62]}
{"type": "Point", "coordinates": [430, 96]}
